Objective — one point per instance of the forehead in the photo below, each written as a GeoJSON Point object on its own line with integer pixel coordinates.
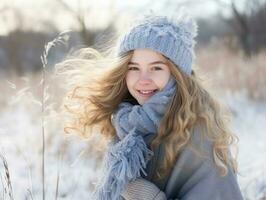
{"type": "Point", "coordinates": [147, 55]}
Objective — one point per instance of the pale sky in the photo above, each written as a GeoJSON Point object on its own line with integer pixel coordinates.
{"type": "Point", "coordinates": [30, 14]}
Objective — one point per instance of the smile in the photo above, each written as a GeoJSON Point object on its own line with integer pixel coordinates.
{"type": "Point", "coordinates": [147, 92]}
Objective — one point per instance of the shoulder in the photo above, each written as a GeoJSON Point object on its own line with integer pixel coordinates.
{"type": "Point", "coordinates": [199, 145]}
{"type": "Point", "coordinates": [195, 170]}
{"type": "Point", "coordinates": [196, 154]}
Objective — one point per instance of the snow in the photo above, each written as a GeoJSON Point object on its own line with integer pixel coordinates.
{"type": "Point", "coordinates": [21, 144]}
{"type": "Point", "coordinates": [250, 125]}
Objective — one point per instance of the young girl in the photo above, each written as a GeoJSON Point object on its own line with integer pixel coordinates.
{"type": "Point", "coordinates": [168, 136]}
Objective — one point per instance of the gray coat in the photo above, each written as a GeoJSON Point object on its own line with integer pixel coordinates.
{"type": "Point", "coordinates": [194, 175]}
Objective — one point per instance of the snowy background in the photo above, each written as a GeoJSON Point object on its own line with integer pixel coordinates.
{"type": "Point", "coordinates": [231, 58]}
{"type": "Point", "coordinates": [72, 160]}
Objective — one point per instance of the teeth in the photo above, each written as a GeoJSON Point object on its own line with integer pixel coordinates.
{"type": "Point", "coordinates": [146, 91]}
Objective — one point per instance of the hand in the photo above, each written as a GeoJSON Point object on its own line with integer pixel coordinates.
{"type": "Point", "coordinates": [141, 189]}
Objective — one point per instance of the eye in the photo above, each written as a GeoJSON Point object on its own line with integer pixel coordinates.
{"type": "Point", "coordinates": [157, 68]}
{"type": "Point", "coordinates": [132, 68]}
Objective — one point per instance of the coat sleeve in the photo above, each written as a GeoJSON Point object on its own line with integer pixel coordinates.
{"type": "Point", "coordinates": [195, 176]}
{"type": "Point", "coordinates": [141, 189]}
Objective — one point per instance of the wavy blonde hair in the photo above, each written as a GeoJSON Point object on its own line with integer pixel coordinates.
{"type": "Point", "coordinates": [98, 87]}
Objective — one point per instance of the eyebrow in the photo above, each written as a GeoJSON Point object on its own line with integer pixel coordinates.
{"type": "Point", "coordinates": [152, 63]}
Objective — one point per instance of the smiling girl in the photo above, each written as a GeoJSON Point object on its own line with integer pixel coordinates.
{"type": "Point", "coordinates": [169, 138]}
{"type": "Point", "coordinates": [148, 72]}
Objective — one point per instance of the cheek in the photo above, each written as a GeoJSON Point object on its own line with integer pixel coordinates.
{"type": "Point", "coordinates": [130, 80]}
{"type": "Point", "coordinates": [162, 79]}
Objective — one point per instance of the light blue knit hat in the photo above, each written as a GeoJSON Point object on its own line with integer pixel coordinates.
{"type": "Point", "coordinates": [171, 36]}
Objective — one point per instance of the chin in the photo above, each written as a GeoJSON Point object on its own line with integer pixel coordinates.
{"type": "Point", "coordinates": [142, 101]}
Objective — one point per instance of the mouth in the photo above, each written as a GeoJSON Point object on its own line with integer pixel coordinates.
{"type": "Point", "coordinates": [147, 93]}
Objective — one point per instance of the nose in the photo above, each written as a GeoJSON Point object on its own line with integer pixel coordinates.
{"type": "Point", "coordinates": [145, 78]}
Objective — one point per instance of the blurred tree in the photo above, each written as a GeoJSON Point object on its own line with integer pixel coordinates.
{"type": "Point", "coordinates": [21, 48]}
{"type": "Point", "coordinates": [80, 15]}
{"type": "Point", "coordinates": [248, 24]}
{"type": "Point", "coordinates": [246, 21]}
{"type": "Point", "coordinates": [11, 44]}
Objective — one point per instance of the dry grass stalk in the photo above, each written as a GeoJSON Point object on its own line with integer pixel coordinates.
{"type": "Point", "coordinates": [7, 189]}
{"type": "Point", "coordinates": [30, 194]}
{"type": "Point", "coordinates": [62, 38]}
{"type": "Point", "coordinates": [230, 71]}
{"type": "Point", "coordinates": [58, 175]}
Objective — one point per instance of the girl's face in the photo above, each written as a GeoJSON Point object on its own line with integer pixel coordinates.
{"type": "Point", "coordinates": [148, 73]}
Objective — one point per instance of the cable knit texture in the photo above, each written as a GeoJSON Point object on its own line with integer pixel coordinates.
{"type": "Point", "coordinates": [128, 157]}
{"type": "Point", "coordinates": [141, 189]}
{"type": "Point", "coordinates": [171, 36]}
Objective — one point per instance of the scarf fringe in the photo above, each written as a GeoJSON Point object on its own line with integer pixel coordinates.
{"type": "Point", "coordinates": [123, 163]}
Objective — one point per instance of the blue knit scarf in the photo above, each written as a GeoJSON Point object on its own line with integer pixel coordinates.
{"type": "Point", "coordinates": [128, 157]}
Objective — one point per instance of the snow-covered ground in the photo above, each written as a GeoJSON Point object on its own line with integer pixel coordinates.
{"type": "Point", "coordinates": [21, 142]}
{"type": "Point", "coordinates": [66, 156]}
{"type": "Point", "coordinates": [250, 125]}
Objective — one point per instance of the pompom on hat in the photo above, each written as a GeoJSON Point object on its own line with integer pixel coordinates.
{"type": "Point", "coordinates": [172, 36]}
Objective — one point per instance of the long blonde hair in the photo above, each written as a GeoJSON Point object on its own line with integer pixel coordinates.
{"type": "Point", "coordinates": [98, 87]}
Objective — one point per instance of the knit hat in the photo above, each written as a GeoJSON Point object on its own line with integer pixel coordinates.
{"type": "Point", "coordinates": [171, 36]}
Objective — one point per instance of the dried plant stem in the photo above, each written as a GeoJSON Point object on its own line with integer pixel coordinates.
{"type": "Point", "coordinates": [62, 38]}
{"type": "Point", "coordinates": [3, 186]}
{"type": "Point", "coordinates": [43, 135]}
{"type": "Point", "coordinates": [44, 63]}
{"type": "Point", "coordinates": [7, 179]}
{"type": "Point", "coordinates": [30, 194]}
{"type": "Point", "coordinates": [58, 174]}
